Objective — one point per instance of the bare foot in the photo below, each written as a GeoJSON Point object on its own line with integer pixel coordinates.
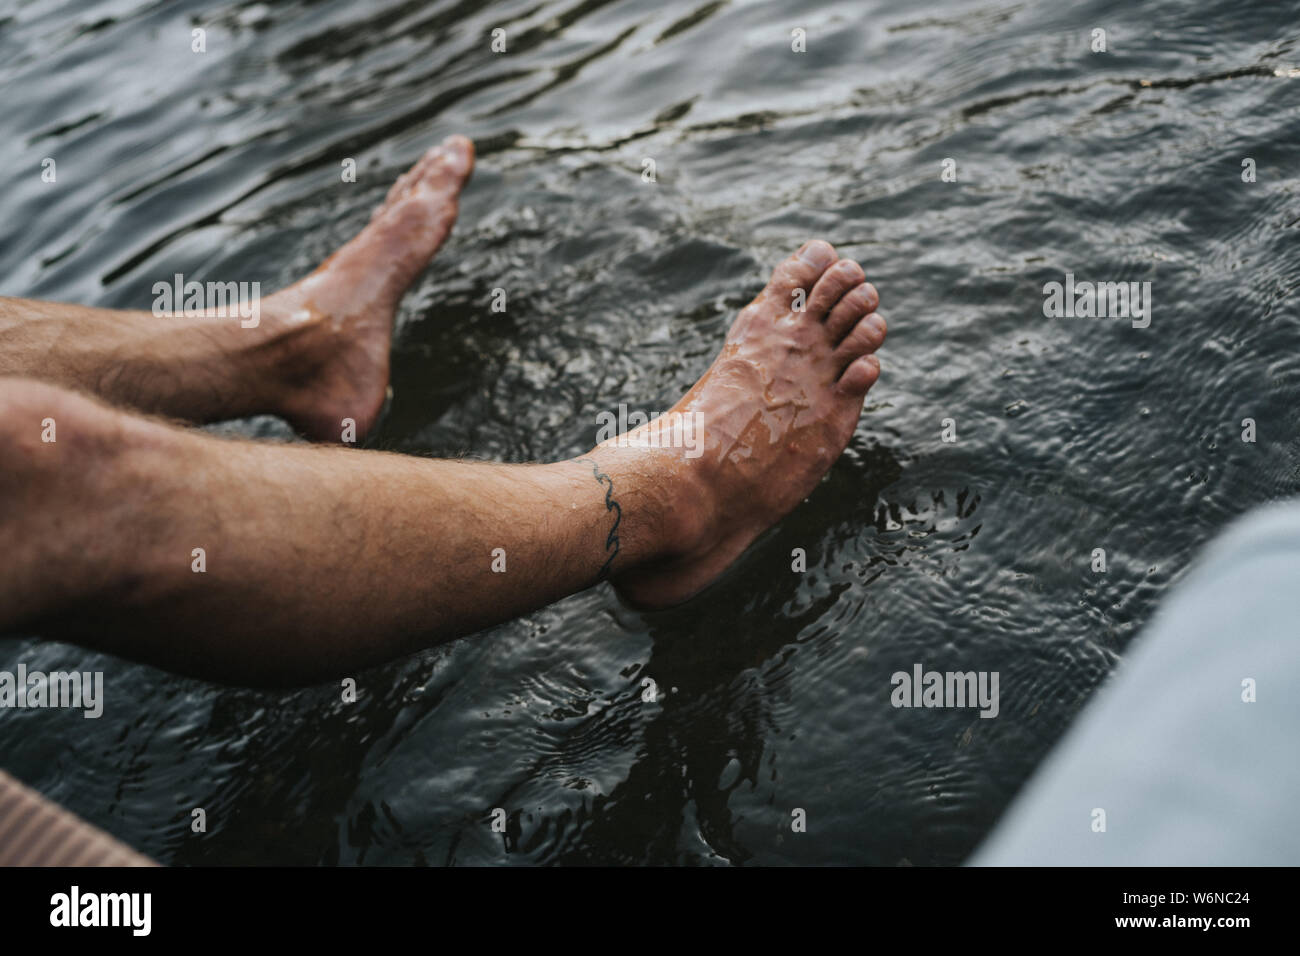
{"type": "Point", "coordinates": [777, 408]}
{"type": "Point", "coordinates": [335, 326]}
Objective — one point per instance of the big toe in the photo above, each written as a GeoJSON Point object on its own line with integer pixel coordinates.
{"type": "Point", "coordinates": [801, 271]}
{"type": "Point", "coordinates": [443, 170]}
{"type": "Point", "coordinates": [448, 164]}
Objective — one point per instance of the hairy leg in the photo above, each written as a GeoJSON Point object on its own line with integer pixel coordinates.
{"type": "Point", "coordinates": [315, 560]}
{"type": "Point", "coordinates": [263, 563]}
{"type": "Point", "coordinates": [316, 352]}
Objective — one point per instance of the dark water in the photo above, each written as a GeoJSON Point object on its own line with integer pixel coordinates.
{"type": "Point", "coordinates": [1073, 434]}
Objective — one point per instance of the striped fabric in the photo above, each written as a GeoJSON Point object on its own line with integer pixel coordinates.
{"type": "Point", "coordinates": [36, 832]}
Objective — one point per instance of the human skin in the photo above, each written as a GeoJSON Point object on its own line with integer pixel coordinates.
{"type": "Point", "coordinates": [318, 353]}
{"type": "Point", "coordinates": [318, 561]}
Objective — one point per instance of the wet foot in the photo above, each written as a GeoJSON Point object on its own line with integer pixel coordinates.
{"type": "Point", "coordinates": [334, 327]}
{"type": "Point", "coordinates": [777, 408]}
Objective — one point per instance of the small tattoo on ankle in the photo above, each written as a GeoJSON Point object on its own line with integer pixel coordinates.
{"type": "Point", "coordinates": [611, 542]}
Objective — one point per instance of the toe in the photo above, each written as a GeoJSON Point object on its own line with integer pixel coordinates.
{"type": "Point", "coordinates": [443, 168]}
{"type": "Point", "coordinates": [866, 337]}
{"type": "Point", "coordinates": [857, 302]}
{"type": "Point", "coordinates": [463, 148]}
{"type": "Point", "coordinates": [830, 288]}
{"type": "Point", "coordinates": [859, 376]}
{"type": "Point", "coordinates": [399, 189]}
{"type": "Point", "coordinates": [800, 271]}
{"type": "Point", "coordinates": [446, 166]}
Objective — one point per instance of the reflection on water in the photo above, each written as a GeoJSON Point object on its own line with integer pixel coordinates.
{"type": "Point", "coordinates": [772, 689]}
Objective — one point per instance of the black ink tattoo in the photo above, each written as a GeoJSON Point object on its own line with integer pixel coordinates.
{"type": "Point", "coordinates": [610, 505]}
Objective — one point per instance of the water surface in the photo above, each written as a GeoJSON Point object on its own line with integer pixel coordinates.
{"type": "Point", "coordinates": [1072, 434]}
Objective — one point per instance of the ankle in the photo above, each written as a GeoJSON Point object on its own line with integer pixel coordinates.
{"type": "Point", "coordinates": [291, 350]}
{"type": "Point", "coordinates": [667, 511]}
{"type": "Point", "coordinates": [321, 368]}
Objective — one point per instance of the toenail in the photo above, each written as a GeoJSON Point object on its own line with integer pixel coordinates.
{"type": "Point", "coordinates": [876, 324]}
{"type": "Point", "coordinates": [816, 253]}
